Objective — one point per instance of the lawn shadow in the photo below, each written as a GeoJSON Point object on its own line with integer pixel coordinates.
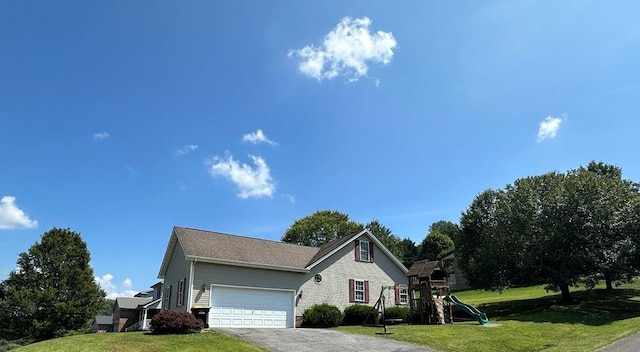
{"type": "Point", "coordinates": [591, 307]}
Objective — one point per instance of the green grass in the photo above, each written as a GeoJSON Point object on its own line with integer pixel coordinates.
{"type": "Point", "coordinates": [138, 341]}
{"type": "Point", "coordinates": [531, 320]}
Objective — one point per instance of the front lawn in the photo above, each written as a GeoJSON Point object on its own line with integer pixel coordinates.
{"type": "Point", "coordinates": [139, 341]}
{"type": "Point", "coordinates": [531, 320]}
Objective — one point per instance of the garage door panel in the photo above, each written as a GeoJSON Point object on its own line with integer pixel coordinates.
{"type": "Point", "coordinates": [247, 307]}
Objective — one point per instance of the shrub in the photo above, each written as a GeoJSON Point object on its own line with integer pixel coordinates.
{"type": "Point", "coordinates": [322, 316]}
{"type": "Point", "coordinates": [397, 313]}
{"type": "Point", "coordinates": [357, 313]}
{"type": "Point", "coordinates": [174, 322]}
{"type": "Point", "coordinates": [8, 345]}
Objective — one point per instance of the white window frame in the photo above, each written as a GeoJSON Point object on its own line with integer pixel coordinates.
{"type": "Point", "coordinates": [403, 295]}
{"type": "Point", "coordinates": [364, 254]}
{"type": "Point", "coordinates": [360, 291]}
{"type": "Point", "coordinates": [180, 295]}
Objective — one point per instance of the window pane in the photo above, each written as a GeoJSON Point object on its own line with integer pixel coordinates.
{"type": "Point", "coordinates": [359, 290]}
{"type": "Point", "coordinates": [364, 250]}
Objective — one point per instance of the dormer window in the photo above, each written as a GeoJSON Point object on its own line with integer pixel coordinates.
{"type": "Point", "coordinates": [364, 251]}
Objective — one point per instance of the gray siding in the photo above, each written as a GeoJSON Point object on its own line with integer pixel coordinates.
{"type": "Point", "coordinates": [342, 266]}
{"type": "Point", "coordinates": [177, 270]}
{"type": "Point", "coordinates": [206, 274]}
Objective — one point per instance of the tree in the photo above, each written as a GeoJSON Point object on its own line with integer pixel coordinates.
{"type": "Point", "coordinates": [409, 252]}
{"type": "Point", "coordinates": [435, 246]}
{"type": "Point", "coordinates": [107, 306]}
{"type": "Point", "coordinates": [52, 291]}
{"type": "Point", "coordinates": [388, 239]}
{"type": "Point", "coordinates": [446, 228]}
{"type": "Point", "coordinates": [556, 228]}
{"type": "Point", "coordinates": [320, 227]}
{"type": "Point", "coordinates": [615, 212]}
{"type": "Point", "coordinates": [481, 251]}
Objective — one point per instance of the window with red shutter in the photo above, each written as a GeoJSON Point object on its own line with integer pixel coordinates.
{"type": "Point", "coordinates": [365, 251]}
{"type": "Point", "coordinates": [358, 290]}
{"type": "Point", "coordinates": [352, 297]}
{"type": "Point", "coordinates": [366, 291]}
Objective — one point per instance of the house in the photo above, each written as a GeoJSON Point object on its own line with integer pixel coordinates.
{"type": "Point", "coordinates": [457, 279]}
{"type": "Point", "coordinates": [135, 313]}
{"type": "Point", "coordinates": [250, 282]}
{"type": "Point", "coordinates": [102, 323]}
{"type": "Point", "coordinates": [154, 292]}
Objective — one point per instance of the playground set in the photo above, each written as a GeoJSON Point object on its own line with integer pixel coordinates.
{"type": "Point", "coordinates": [430, 300]}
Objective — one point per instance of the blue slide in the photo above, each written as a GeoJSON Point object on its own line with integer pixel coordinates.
{"type": "Point", "coordinates": [478, 315]}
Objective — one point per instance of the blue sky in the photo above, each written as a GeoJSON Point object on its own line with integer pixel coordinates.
{"type": "Point", "coordinates": [122, 119]}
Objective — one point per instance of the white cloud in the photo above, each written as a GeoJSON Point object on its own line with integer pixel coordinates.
{"type": "Point", "coordinates": [12, 217]}
{"type": "Point", "coordinates": [186, 149]}
{"type": "Point", "coordinates": [290, 197]}
{"type": "Point", "coordinates": [101, 135]}
{"type": "Point", "coordinates": [251, 181]}
{"type": "Point", "coordinates": [346, 51]}
{"type": "Point", "coordinates": [106, 282]}
{"type": "Point", "coordinates": [549, 128]}
{"type": "Point", "coordinates": [257, 137]}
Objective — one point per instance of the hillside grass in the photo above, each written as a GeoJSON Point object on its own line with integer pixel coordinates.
{"type": "Point", "coordinates": [531, 319]}
{"type": "Point", "coordinates": [140, 341]}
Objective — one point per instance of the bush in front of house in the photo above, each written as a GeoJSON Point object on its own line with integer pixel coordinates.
{"type": "Point", "coordinates": [174, 322]}
{"type": "Point", "coordinates": [357, 314]}
{"type": "Point", "coordinates": [397, 313]}
{"type": "Point", "coordinates": [322, 316]}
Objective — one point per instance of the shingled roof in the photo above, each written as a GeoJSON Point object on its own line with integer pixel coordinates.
{"type": "Point", "coordinates": [330, 247]}
{"type": "Point", "coordinates": [216, 247]}
{"type": "Point", "coordinates": [232, 248]}
{"type": "Point", "coordinates": [131, 302]}
{"type": "Point", "coordinates": [423, 268]}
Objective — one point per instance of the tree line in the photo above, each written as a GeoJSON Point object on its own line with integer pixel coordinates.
{"type": "Point", "coordinates": [561, 229]}
{"type": "Point", "coordinates": [580, 227]}
{"type": "Point", "coordinates": [327, 225]}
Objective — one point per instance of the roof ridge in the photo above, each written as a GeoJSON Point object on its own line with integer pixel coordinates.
{"type": "Point", "coordinates": [243, 236]}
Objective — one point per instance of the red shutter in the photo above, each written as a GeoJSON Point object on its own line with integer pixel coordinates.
{"type": "Point", "coordinates": [397, 289]}
{"type": "Point", "coordinates": [357, 242]}
{"type": "Point", "coordinates": [371, 251]}
{"type": "Point", "coordinates": [351, 290]}
{"type": "Point", "coordinates": [366, 291]}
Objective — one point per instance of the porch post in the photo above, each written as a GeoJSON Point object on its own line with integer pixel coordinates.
{"type": "Point", "coordinates": [144, 318]}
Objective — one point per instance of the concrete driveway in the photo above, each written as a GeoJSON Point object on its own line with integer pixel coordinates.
{"type": "Point", "coordinates": [307, 340]}
{"type": "Point", "coordinates": [631, 343]}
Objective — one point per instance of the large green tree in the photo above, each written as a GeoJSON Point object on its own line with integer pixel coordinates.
{"type": "Point", "coordinates": [321, 227]}
{"type": "Point", "coordinates": [616, 215]}
{"type": "Point", "coordinates": [557, 228]}
{"type": "Point", "coordinates": [435, 246]}
{"type": "Point", "coordinates": [448, 228]}
{"type": "Point", "coordinates": [52, 291]}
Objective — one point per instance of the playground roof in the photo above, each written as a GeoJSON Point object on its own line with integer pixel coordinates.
{"type": "Point", "coordinates": [424, 268]}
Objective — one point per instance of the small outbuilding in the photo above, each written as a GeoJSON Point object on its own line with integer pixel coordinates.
{"type": "Point", "coordinates": [102, 323]}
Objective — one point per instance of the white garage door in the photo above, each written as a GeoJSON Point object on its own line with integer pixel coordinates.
{"type": "Point", "coordinates": [249, 307]}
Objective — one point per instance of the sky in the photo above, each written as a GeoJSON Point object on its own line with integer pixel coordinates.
{"type": "Point", "coordinates": [123, 119]}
